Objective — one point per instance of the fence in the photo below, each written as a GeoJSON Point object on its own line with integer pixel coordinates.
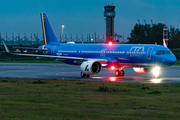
{"type": "Point", "coordinates": [33, 39]}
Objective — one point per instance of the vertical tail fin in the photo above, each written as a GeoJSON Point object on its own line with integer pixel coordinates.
{"type": "Point", "coordinates": [48, 33]}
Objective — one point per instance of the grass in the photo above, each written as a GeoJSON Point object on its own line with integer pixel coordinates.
{"type": "Point", "coordinates": [176, 52]}
{"type": "Point", "coordinates": [178, 62]}
{"type": "Point", "coordinates": [65, 99]}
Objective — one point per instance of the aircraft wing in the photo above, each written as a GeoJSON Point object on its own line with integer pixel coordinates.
{"type": "Point", "coordinates": [80, 59]}
{"type": "Point", "coordinates": [29, 48]}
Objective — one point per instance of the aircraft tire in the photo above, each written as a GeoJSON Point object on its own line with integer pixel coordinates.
{"type": "Point", "coordinates": [122, 73]}
{"type": "Point", "coordinates": [87, 75]}
{"type": "Point", "coordinates": [117, 73]}
{"type": "Point", "coordinates": [83, 75]}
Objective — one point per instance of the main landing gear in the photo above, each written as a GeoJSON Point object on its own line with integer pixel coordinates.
{"type": "Point", "coordinates": [119, 73]}
{"type": "Point", "coordinates": [84, 75]}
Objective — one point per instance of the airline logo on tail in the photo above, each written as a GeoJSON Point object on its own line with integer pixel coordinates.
{"type": "Point", "coordinates": [48, 33]}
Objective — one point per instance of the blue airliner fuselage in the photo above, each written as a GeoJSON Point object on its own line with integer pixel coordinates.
{"type": "Point", "coordinates": [125, 55]}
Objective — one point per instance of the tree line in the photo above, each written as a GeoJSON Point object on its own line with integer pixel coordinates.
{"type": "Point", "coordinates": [147, 34]}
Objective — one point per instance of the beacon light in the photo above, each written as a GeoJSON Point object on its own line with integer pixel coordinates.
{"type": "Point", "coordinates": [110, 43]}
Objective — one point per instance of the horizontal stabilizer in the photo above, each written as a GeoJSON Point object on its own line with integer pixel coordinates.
{"type": "Point", "coordinates": [28, 48]}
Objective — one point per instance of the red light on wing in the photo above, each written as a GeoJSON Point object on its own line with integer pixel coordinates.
{"type": "Point", "coordinates": [112, 67]}
{"type": "Point", "coordinates": [103, 62]}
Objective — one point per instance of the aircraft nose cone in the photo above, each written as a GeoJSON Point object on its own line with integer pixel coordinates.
{"type": "Point", "coordinates": [171, 60]}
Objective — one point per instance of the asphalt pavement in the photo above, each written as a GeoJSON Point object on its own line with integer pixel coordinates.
{"type": "Point", "coordinates": [70, 72]}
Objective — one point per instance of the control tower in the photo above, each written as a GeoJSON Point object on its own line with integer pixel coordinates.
{"type": "Point", "coordinates": [109, 13]}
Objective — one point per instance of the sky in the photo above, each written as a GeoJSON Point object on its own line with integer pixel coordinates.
{"type": "Point", "coordinates": [84, 16]}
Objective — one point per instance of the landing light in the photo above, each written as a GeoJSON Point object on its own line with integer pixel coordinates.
{"type": "Point", "coordinates": [156, 71]}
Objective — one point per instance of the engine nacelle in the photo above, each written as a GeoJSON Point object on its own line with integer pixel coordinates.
{"type": "Point", "coordinates": [142, 70]}
{"type": "Point", "coordinates": [91, 67]}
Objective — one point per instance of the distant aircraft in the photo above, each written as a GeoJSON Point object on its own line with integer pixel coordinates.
{"type": "Point", "coordinates": [93, 57]}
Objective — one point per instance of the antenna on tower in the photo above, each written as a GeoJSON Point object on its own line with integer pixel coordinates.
{"type": "Point", "coordinates": [152, 22]}
{"type": "Point", "coordinates": [145, 21]}
{"type": "Point", "coordinates": [139, 21]}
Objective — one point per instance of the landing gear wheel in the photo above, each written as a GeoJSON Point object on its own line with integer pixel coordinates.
{"type": "Point", "coordinates": [87, 75]}
{"type": "Point", "coordinates": [117, 73]}
{"type": "Point", "coordinates": [83, 75]}
{"type": "Point", "coordinates": [121, 72]}
{"type": "Point", "coordinates": [157, 76]}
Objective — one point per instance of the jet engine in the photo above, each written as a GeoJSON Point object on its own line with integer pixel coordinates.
{"type": "Point", "coordinates": [91, 67]}
{"type": "Point", "coordinates": [142, 70]}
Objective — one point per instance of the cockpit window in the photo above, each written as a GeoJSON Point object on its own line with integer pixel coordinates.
{"type": "Point", "coordinates": [161, 52]}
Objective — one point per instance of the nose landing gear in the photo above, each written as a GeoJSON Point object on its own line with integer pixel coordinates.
{"type": "Point", "coordinates": [157, 76]}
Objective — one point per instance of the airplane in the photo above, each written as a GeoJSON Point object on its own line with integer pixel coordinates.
{"type": "Point", "coordinates": [92, 58]}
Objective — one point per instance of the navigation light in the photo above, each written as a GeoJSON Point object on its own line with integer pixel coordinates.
{"type": "Point", "coordinates": [112, 67]}
{"type": "Point", "coordinates": [156, 71]}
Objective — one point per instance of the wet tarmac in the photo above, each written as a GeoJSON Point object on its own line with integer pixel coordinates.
{"type": "Point", "coordinates": [70, 72]}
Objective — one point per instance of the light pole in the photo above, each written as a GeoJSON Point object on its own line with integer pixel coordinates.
{"type": "Point", "coordinates": [62, 32]}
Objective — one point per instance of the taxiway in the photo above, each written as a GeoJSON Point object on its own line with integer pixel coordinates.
{"type": "Point", "coordinates": [70, 72]}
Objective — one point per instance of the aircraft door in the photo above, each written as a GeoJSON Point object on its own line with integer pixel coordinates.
{"type": "Point", "coordinates": [149, 52]}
